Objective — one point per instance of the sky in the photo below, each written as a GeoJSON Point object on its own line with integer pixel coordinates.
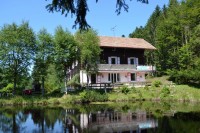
{"type": "Point", "coordinates": [101, 16]}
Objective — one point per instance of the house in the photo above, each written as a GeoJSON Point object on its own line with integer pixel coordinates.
{"type": "Point", "coordinates": [122, 61]}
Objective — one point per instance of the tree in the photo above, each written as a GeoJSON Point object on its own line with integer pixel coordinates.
{"type": "Point", "coordinates": [17, 43]}
{"type": "Point", "coordinates": [89, 51]}
{"type": "Point", "coordinates": [79, 8]}
{"type": "Point", "coordinates": [44, 50]}
{"type": "Point", "coordinates": [65, 52]}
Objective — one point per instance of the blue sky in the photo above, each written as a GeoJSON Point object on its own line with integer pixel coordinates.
{"type": "Point", "coordinates": [101, 17]}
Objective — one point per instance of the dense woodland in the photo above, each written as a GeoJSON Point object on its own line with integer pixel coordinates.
{"type": "Point", "coordinates": [175, 31]}
{"type": "Point", "coordinates": [28, 59]}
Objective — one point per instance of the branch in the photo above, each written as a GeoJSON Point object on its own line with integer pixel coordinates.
{"type": "Point", "coordinates": [79, 8]}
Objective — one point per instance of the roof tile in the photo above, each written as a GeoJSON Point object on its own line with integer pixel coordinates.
{"type": "Point", "coordinates": [122, 42]}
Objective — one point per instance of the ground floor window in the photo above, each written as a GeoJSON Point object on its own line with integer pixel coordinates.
{"type": "Point", "coordinates": [132, 76]}
{"type": "Point", "coordinates": [113, 77]}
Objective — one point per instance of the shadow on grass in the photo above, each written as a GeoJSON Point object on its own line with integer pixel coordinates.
{"type": "Point", "coordinates": [195, 85]}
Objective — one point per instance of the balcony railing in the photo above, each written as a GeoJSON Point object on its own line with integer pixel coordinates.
{"type": "Point", "coordinates": [146, 68]}
{"type": "Point", "coordinates": [125, 67]}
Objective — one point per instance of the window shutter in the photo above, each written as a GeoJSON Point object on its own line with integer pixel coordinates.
{"type": "Point", "coordinates": [136, 61]}
{"type": "Point", "coordinates": [129, 61]}
{"type": "Point", "coordinates": [109, 60]}
{"type": "Point", "coordinates": [118, 60]}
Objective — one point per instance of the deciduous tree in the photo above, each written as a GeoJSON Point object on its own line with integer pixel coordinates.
{"type": "Point", "coordinates": [17, 43]}
{"type": "Point", "coordinates": [89, 51]}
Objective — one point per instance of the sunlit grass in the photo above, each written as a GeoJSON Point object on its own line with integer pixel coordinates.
{"type": "Point", "coordinates": [177, 93]}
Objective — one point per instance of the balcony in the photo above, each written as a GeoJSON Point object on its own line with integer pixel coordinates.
{"type": "Point", "coordinates": [125, 67]}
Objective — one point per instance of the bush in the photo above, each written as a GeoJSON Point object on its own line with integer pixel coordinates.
{"type": "Point", "coordinates": [157, 83]}
{"type": "Point", "coordinates": [125, 89]}
{"type": "Point", "coordinates": [92, 96]}
{"type": "Point", "coordinates": [8, 89]}
{"type": "Point", "coordinates": [146, 87]}
{"type": "Point", "coordinates": [165, 92]}
{"type": "Point", "coordinates": [18, 100]}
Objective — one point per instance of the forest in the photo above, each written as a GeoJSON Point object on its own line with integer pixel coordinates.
{"type": "Point", "coordinates": [29, 59]}
{"type": "Point", "coordinates": [175, 31]}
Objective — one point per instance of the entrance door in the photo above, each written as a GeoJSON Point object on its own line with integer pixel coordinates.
{"type": "Point", "coordinates": [93, 78]}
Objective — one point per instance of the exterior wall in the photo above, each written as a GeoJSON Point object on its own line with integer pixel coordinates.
{"type": "Point", "coordinates": [123, 53]}
{"type": "Point", "coordinates": [140, 76]}
{"type": "Point", "coordinates": [124, 77]}
{"type": "Point", "coordinates": [83, 77]}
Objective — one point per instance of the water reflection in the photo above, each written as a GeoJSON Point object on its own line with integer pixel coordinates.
{"type": "Point", "coordinates": [96, 119]}
{"type": "Point", "coordinates": [111, 121]}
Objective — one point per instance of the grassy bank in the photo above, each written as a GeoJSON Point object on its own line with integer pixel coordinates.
{"type": "Point", "coordinates": [161, 90]}
{"type": "Point", "coordinates": [180, 93]}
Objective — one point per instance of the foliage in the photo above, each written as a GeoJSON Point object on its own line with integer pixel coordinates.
{"type": "Point", "coordinates": [165, 92]}
{"type": "Point", "coordinates": [156, 83]}
{"type": "Point", "coordinates": [65, 52]}
{"type": "Point", "coordinates": [75, 81]}
{"type": "Point", "coordinates": [174, 31]}
{"type": "Point", "coordinates": [43, 53]}
{"type": "Point", "coordinates": [93, 96]}
{"type": "Point", "coordinates": [125, 89]}
{"type": "Point", "coordinates": [17, 43]}
{"type": "Point", "coordinates": [18, 100]}
{"type": "Point", "coordinates": [79, 8]}
{"type": "Point", "coordinates": [89, 50]}
{"type": "Point", "coordinates": [8, 89]}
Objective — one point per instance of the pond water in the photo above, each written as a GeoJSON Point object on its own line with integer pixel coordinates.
{"type": "Point", "coordinates": [108, 118]}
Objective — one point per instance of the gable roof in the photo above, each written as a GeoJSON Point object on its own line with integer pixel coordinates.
{"type": "Point", "coordinates": [121, 42]}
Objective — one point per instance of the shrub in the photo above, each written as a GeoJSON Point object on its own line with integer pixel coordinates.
{"type": "Point", "coordinates": [18, 100]}
{"type": "Point", "coordinates": [92, 96]}
{"type": "Point", "coordinates": [157, 83]}
{"type": "Point", "coordinates": [165, 92]}
{"type": "Point", "coordinates": [146, 87]}
{"type": "Point", "coordinates": [125, 89]}
{"type": "Point", "coordinates": [8, 89]}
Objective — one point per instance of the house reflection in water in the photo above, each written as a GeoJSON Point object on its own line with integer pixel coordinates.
{"type": "Point", "coordinates": [110, 121]}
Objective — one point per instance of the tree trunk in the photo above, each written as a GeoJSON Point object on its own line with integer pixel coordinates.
{"type": "Point", "coordinates": [42, 85]}
{"type": "Point", "coordinates": [66, 84]}
{"type": "Point", "coordinates": [14, 123]}
{"type": "Point", "coordinates": [15, 85]}
{"type": "Point", "coordinates": [65, 79]}
{"type": "Point", "coordinates": [87, 80]}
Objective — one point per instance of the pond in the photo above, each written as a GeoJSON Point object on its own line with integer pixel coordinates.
{"type": "Point", "coordinates": [140, 117]}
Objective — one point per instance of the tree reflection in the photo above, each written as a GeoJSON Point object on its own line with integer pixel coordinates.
{"type": "Point", "coordinates": [11, 121]}
{"type": "Point", "coordinates": [101, 118]}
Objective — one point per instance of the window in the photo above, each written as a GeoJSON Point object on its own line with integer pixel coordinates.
{"type": "Point", "coordinates": [133, 60]}
{"type": "Point", "coordinates": [113, 60]}
{"type": "Point", "coordinates": [109, 77]}
{"type": "Point", "coordinates": [114, 77]}
{"type": "Point", "coordinates": [132, 76]}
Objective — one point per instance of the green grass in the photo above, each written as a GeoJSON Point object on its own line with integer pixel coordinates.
{"type": "Point", "coordinates": [177, 93]}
